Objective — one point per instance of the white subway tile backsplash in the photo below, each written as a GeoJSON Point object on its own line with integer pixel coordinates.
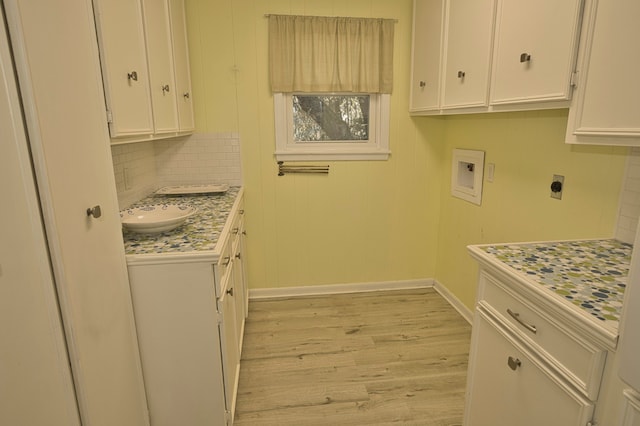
{"type": "Point", "coordinates": [135, 171]}
{"type": "Point", "coordinates": [629, 208]}
{"type": "Point", "coordinates": [141, 168]}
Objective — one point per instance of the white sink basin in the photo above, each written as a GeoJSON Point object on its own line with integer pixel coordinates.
{"type": "Point", "coordinates": [156, 218]}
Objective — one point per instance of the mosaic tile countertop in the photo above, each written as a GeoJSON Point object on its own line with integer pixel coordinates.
{"type": "Point", "coordinates": [199, 233]}
{"type": "Point", "coordinates": [591, 274]}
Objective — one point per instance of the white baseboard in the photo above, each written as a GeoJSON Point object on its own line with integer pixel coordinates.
{"type": "Point", "coordinates": [269, 293]}
{"type": "Point", "coordinates": [462, 309]}
{"type": "Point", "coordinates": [318, 290]}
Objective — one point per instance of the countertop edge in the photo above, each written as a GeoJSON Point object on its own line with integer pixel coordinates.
{"type": "Point", "coordinates": [563, 309]}
{"type": "Point", "coordinates": [190, 256]}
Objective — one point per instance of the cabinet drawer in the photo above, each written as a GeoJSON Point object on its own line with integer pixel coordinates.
{"type": "Point", "coordinates": [579, 361]}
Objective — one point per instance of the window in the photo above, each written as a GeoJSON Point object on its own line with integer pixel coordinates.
{"type": "Point", "coordinates": [332, 126]}
{"type": "Point", "coordinates": [331, 78]}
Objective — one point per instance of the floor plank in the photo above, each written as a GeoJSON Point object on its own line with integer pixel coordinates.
{"type": "Point", "coordinates": [378, 358]}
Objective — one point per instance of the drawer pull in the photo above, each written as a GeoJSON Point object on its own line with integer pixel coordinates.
{"type": "Point", "coordinates": [226, 261]}
{"type": "Point", "coordinates": [516, 316]}
{"type": "Point", "coordinates": [513, 363]}
{"type": "Point", "coordinates": [235, 231]}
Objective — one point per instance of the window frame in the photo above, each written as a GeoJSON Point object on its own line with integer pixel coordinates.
{"type": "Point", "coordinates": [376, 148]}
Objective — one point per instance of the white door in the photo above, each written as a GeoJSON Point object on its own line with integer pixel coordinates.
{"type": "Point", "coordinates": [181, 64]}
{"type": "Point", "coordinates": [58, 68]}
{"type": "Point", "coordinates": [157, 30]}
{"type": "Point", "coordinates": [36, 387]}
{"type": "Point", "coordinates": [535, 50]}
{"type": "Point", "coordinates": [467, 59]}
{"type": "Point", "coordinates": [124, 66]}
{"type": "Point", "coordinates": [427, 48]}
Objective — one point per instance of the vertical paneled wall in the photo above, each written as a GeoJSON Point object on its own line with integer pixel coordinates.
{"type": "Point", "coordinates": [527, 149]}
{"type": "Point", "coordinates": [387, 220]}
{"type": "Point", "coordinates": [367, 221]}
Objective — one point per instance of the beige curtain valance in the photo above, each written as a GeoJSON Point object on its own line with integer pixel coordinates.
{"type": "Point", "coordinates": [330, 54]}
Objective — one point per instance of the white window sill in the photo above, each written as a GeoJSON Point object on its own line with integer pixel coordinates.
{"type": "Point", "coordinates": [332, 156]}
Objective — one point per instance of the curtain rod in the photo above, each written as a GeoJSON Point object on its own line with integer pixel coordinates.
{"type": "Point", "coordinates": [266, 15]}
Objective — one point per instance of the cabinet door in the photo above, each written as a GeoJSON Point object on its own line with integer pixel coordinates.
{"type": "Point", "coordinates": [124, 66]}
{"type": "Point", "coordinates": [160, 59]}
{"type": "Point", "coordinates": [427, 45]}
{"type": "Point", "coordinates": [181, 65]}
{"type": "Point", "coordinates": [56, 58]}
{"type": "Point", "coordinates": [535, 50]}
{"type": "Point", "coordinates": [631, 411]}
{"type": "Point", "coordinates": [238, 296]}
{"type": "Point", "coordinates": [229, 345]}
{"type": "Point", "coordinates": [35, 363]}
{"type": "Point", "coordinates": [177, 323]}
{"type": "Point", "coordinates": [508, 385]}
{"type": "Point", "coordinates": [605, 110]}
{"type": "Point", "coordinates": [467, 54]}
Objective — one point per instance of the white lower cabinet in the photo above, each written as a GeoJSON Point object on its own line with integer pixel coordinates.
{"type": "Point", "coordinates": [631, 411]}
{"type": "Point", "coordinates": [529, 365]}
{"type": "Point", "coordinates": [190, 313]}
{"type": "Point", "coordinates": [509, 384]}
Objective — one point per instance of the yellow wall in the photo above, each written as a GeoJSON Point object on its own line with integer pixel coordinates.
{"type": "Point", "coordinates": [364, 222]}
{"type": "Point", "coordinates": [393, 220]}
{"type": "Point", "coordinates": [527, 149]}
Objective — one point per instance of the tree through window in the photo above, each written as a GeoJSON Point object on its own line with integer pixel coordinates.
{"type": "Point", "coordinates": [333, 118]}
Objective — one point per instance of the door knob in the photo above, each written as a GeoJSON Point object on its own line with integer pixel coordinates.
{"type": "Point", "coordinates": [95, 211]}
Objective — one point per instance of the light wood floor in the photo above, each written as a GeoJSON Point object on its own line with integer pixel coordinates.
{"type": "Point", "coordinates": [397, 357]}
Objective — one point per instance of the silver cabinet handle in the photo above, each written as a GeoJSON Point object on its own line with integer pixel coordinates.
{"type": "Point", "coordinates": [238, 255]}
{"type": "Point", "coordinates": [516, 316]}
{"type": "Point", "coordinates": [94, 211]}
{"type": "Point", "coordinates": [133, 75]}
{"type": "Point", "coordinates": [165, 89]}
{"type": "Point", "coordinates": [525, 57]}
{"type": "Point", "coordinates": [423, 83]}
{"type": "Point", "coordinates": [230, 291]}
{"type": "Point", "coordinates": [461, 74]}
{"type": "Point", "coordinates": [513, 363]}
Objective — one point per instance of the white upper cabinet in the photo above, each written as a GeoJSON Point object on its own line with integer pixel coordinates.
{"type": "Point", "coordinates": [181, 65]}
{"type": "Point", "coordinates": [426, 58]}
{"type": "Point", "coordinates": [467, 56]}
{"type": "Point", "coordinates": [145, 66]}
{"type": "Point", "coordinates": [157, 29]}
{"type": "Point", "coordinates": [124, 67]}
{"type": "Point", "coordinates": [606, 106]}
{"type": "Point", "coordinates": [534, 51]}
{"type": "Point", "coordinates": [493, 55]}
